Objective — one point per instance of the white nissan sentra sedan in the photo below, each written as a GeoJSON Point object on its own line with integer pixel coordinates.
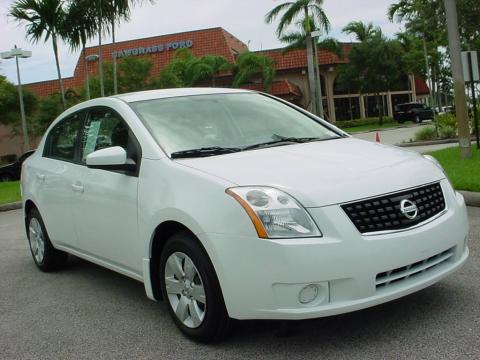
{"type": "Point", "coordinates": [230, 204]}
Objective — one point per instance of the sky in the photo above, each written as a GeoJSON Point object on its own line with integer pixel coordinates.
{"type": "Point", "coordinates": [244, 19]}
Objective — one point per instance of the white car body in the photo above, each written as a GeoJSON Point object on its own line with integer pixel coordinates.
{"type": "Point", "coordinates": [111, 219]}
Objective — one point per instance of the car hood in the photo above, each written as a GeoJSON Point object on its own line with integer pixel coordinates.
{"type": "Point", "coordinates": [324, 173]}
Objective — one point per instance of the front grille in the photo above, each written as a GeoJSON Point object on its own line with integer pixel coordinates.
{"type": "Point", "coordinates": [383, 213]}
{"type": "Point", "coordinates": [395, 276]}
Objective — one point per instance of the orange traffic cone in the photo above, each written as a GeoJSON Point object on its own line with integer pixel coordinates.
{"type": "Point", "coordinates": [377, 137]}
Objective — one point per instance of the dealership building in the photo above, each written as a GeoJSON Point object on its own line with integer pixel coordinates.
{"type": "Point", "coordinates": [290, 83]}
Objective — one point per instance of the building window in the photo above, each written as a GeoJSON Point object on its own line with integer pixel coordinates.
{"type": "Point", "coordinates": [347, 108]}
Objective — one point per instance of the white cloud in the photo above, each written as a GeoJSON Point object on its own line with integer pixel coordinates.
{"type": "Point", "coordinates": [244, 19]}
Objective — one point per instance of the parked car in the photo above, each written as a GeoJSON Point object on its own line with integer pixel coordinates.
{"type": "Point", "coordinates": [230, 204]}
{"type": "Point", "coordinates": [412, 112]}
{"type": "Point", "coordinates": [11, 172]}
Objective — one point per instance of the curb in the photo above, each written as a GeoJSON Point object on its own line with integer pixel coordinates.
{"type": "Point", "coordinates": [426, 143]}
{"type": "Point", "coordinates": [430, 142]}
{"type": "Point", "coordinates": [11, 206]}
{"type": "Point", "coordinates": [387, 129]}
{"type": "Point", "coordinates": [471, 198]}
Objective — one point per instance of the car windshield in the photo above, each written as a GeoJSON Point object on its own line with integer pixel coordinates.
{"type": "Point", "coordinates": [233, 122]}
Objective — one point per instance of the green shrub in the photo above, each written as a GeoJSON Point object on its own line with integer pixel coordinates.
{"type": "Point", "coordinates": [447, 120]}
{"type": "Point", "coordinates": [426, 133]}
{"type": "Point", "coordinates": [345, 124]}
{"type": "Point", "coordinates": [447, 132]}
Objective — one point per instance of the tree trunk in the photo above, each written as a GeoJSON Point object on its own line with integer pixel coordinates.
{"type": "Point", "coordinates": [318, 82]}
{"type": "Point", "coordinates": [85, 70]}
{"type": "Point", "coordinates": [60, 80]}
{"type": "Point", "coordinates": [114, 59]}
{"type": "Point", "coordinates": [311, 75]}
{"type": "Point", "coordinates": [458, 81]}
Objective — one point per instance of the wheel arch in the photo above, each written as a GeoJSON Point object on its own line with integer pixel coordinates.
{"type": "Point", "coordinates": [27, 207]}
{"type": "Point", "coordinates": [159, 238]}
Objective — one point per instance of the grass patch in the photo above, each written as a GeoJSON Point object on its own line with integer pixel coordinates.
{"type": "Point", "coordinates": [9, 192]}
{"type": "Point", "coordinates": [463, 173]}
{"type": "Point", "coordinates": [370, 127]}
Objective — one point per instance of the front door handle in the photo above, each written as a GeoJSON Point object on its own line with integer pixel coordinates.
{"type": "Point", "coordinates": [78, 188]}
{"type": "Point", "coordinates": [41, 177]}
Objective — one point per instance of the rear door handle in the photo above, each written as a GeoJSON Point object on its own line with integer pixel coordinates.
{"type": "Point", "coordinates": [78, 188]}
{"type": "Point", "coordinates": [41, 177]}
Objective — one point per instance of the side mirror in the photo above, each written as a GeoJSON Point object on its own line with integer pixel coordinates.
{"type": "Point", "coordinates": [113, 158]}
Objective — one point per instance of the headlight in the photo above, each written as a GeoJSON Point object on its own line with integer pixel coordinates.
{"type": "Point", "coordinates": [274, 213]}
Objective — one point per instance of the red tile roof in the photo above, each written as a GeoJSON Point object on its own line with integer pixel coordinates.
{"type": "Point", "coordinates": [215, 41]}
{"type": "Point", "coordinates": [421, 87]}
{"type": "Point", "coordinates": [298, 58]}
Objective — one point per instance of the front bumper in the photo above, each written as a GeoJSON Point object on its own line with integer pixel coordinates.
{"type": "Point", "coordinates": [261, 279]}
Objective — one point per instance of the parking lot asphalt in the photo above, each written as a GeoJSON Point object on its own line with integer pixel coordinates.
{"type": "Point", "coordinates": [87, 312]}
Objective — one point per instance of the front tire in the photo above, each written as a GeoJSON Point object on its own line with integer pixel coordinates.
{"type": "Point", "coordinates": [191, 290]}
{"type": "Point", "coordinates": [46, 257]}
{"type": "Point", "coordinates": [417, 120]}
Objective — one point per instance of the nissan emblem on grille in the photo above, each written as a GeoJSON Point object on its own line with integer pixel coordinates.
{"type": "Point", "coordinates": [409, 209]}
{"type": "Point", "coordinates": [397, 211]}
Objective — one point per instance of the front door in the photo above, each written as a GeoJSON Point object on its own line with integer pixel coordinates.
{"type": "Point", "coordinates": [53, 174]}
{"type": "Point", "coordinates": [105, 206]}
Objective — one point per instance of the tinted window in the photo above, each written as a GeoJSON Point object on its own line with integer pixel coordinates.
{"type": "Point", "coordinates": [103, 129]}
{"type": "Point", "coordinates": [62, 138]}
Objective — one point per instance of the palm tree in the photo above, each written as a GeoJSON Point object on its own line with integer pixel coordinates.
{"type": "Point", "coordinates": [302, 11]}
{"type": "Point", "coordinates": [298, 40]}
{"type": "Point", "coordinates": [361, 30]}
{"type": "Point", "coordinates": [250, 64]}
{"type": "Point", "coordinates": [110, 13]}
{"type": "Point", "coordinates": [43, 19]}
{"type": "Point", "coordinates": [215, 65]}
{"type": "Point", "coordinates": [80, 25]}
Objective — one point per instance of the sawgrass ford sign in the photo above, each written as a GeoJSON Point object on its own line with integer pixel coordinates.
{"type": "Point", "coordinates": [175, 45]}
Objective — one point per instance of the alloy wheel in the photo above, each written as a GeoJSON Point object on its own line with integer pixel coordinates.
{"type": "Point", "coordinates": [36, 239]}
{"type": "Point", "coordinates": [185, 290]}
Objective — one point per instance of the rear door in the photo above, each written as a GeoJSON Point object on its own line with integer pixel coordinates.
{"type": "Point", "coordinates": [105, 207]}
{"type": "Point", "coordinates": [54, 173]}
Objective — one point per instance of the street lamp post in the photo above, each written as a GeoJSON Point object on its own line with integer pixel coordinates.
{"type": "Point", "coordinates": [89, 58]}
{"type": "Point", "coordinates": [16, 53]}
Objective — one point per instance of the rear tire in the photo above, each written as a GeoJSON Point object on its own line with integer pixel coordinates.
{"type": "Point", "coordinates": [194, 298]}
{"type": "Point", "coordinates": [46, 257]}
{"type": "Point", "coordinates": [417, 120]}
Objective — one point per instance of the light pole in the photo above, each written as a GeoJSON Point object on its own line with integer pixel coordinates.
{"type": "Point", "coordinates": [16, 53]}
{"type": "Point", "coordinates": [89, 58]}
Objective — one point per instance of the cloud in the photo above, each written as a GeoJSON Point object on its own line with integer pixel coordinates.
{"type": "Point", "coordinates": [244, 19]}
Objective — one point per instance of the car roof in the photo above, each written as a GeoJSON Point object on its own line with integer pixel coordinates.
{"type": "Point", "coordinates": [169, 93]}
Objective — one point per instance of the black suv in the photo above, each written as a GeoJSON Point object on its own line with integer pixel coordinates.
{"type": "Point", "coordinates": [412, 112]}
{"type": "Point", "coordinates": [12, 171]}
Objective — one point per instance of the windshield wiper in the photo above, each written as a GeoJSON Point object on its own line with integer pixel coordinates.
{"type": "Point", "coordinates": [204, 152]}
{"type": "Point", "coordinates": [283, 141]}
